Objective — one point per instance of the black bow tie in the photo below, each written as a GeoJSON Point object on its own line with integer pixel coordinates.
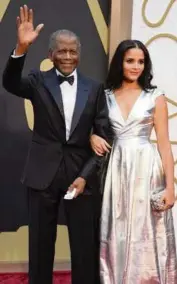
{"type": "Point", "coordinates": [69, 79]}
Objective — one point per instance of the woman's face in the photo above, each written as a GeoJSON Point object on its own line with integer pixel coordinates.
{"type": "Point", "coordinates": [133, 64]}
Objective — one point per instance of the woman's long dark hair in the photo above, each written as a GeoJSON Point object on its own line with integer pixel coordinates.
{"type": "Point", "coordinates": [115, 75]}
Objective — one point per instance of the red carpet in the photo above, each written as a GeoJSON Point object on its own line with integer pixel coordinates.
{"type": "Point", "coordinates": [22, 278]}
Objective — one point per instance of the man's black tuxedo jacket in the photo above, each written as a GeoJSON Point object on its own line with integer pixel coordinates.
{"type": "Point", "coordinates": [49, 148]}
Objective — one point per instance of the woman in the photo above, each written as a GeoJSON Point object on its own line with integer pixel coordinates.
{"type": "Point", "coordinates": [137, 235]}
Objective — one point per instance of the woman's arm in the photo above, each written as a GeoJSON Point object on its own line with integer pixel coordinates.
{"type": "Point", "coordinates": [99, 145]}
{"type": "Point", "coordinates": [164, 147]}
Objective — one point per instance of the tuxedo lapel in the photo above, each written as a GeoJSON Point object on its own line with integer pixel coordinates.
{"type": "Point", "coordinates": [52, 84]}
{"type": "Point", "coordinates": [81, 99]}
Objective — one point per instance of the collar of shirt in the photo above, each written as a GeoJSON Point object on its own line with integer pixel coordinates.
{"type": "Point", "coordinates": [74, 73]}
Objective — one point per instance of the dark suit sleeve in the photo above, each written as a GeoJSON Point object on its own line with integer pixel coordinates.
{"type": "Point", "coordinates": [93, 165]}
{"type": "Point", "coordinates": [13, 81]}
{"type": "Point", "coordinates": [102, 128]}
{"type": "Point", "coordinates": [101, 125]}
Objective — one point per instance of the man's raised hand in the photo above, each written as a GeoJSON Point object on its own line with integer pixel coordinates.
{"type": "Point", "coordinates": [26, 33]}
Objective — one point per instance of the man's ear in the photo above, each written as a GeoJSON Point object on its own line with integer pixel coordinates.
{"type": "Point", "coordinates": [50, 55]}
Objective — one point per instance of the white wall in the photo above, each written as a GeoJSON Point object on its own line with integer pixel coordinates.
{"type": "Point", "coordinates": [155, 24]}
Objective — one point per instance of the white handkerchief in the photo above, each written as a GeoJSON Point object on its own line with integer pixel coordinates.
{"type": "Point", "coordinates": [70, 194]}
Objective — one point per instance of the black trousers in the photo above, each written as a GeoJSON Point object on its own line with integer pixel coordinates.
{"type": "Point", "coordinates": [82, 216]}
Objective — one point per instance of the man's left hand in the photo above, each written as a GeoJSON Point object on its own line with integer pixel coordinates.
{"type": "Point", "coordinates": [79, 185]}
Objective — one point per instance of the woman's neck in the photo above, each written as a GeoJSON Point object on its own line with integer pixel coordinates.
{"type": "Point", "coordinates": [130, 85]}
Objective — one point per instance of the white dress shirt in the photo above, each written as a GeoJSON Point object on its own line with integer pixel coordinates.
{"type": "Point", "coordinates": [69, 99]}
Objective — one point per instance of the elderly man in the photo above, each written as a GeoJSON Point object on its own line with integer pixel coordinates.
{"type": "Point", "coordinates": [67, 107]}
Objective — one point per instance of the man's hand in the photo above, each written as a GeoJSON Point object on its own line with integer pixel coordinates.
{"type": "Point", "coordinates": [79, 184]}
{"type": "Point", "coordinates": [26, 34]}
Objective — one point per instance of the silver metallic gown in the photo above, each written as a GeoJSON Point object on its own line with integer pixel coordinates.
{"type": "Point", "coordinates": [137, 244]}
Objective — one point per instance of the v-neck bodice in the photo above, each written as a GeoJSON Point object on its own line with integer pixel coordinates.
{"type": "Point", "coordinates": [134, 104]}
{"type": "Point", "coordinates": [140, 120]}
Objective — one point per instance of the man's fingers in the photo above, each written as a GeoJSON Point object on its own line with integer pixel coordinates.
{"type": "Point", "coordinates": [25, 9]}
{"type": "Point", "coordinates": [22, 17]}
{"type": "Point", "coordinates": [77, 193]}
{"type": "Point", "coordinates": [39, 28]}
{"type": "Point", "coordinates": [71, 187]}
{"type": "Point", "coordinates": [31, 16]}
{"type": "Point", "coordinates": [18, 22]}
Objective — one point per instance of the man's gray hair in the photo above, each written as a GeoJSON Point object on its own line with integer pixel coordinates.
{"type": "Point", "coordinates": [56, 35]}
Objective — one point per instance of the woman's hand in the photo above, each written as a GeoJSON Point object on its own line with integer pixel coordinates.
{"type": "Point", "coordinates": [99, 145]}
{"type": "Point", "coordinates": [168, 198]}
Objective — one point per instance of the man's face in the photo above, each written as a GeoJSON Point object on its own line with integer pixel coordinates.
{"type": "Point", "coordinates": [65, 56]}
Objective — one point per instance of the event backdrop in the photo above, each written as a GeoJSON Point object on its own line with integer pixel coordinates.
{"type": "Point", "coordinates": [154, 23]}
{"type": "Point", "coordinates": [89, 19]}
